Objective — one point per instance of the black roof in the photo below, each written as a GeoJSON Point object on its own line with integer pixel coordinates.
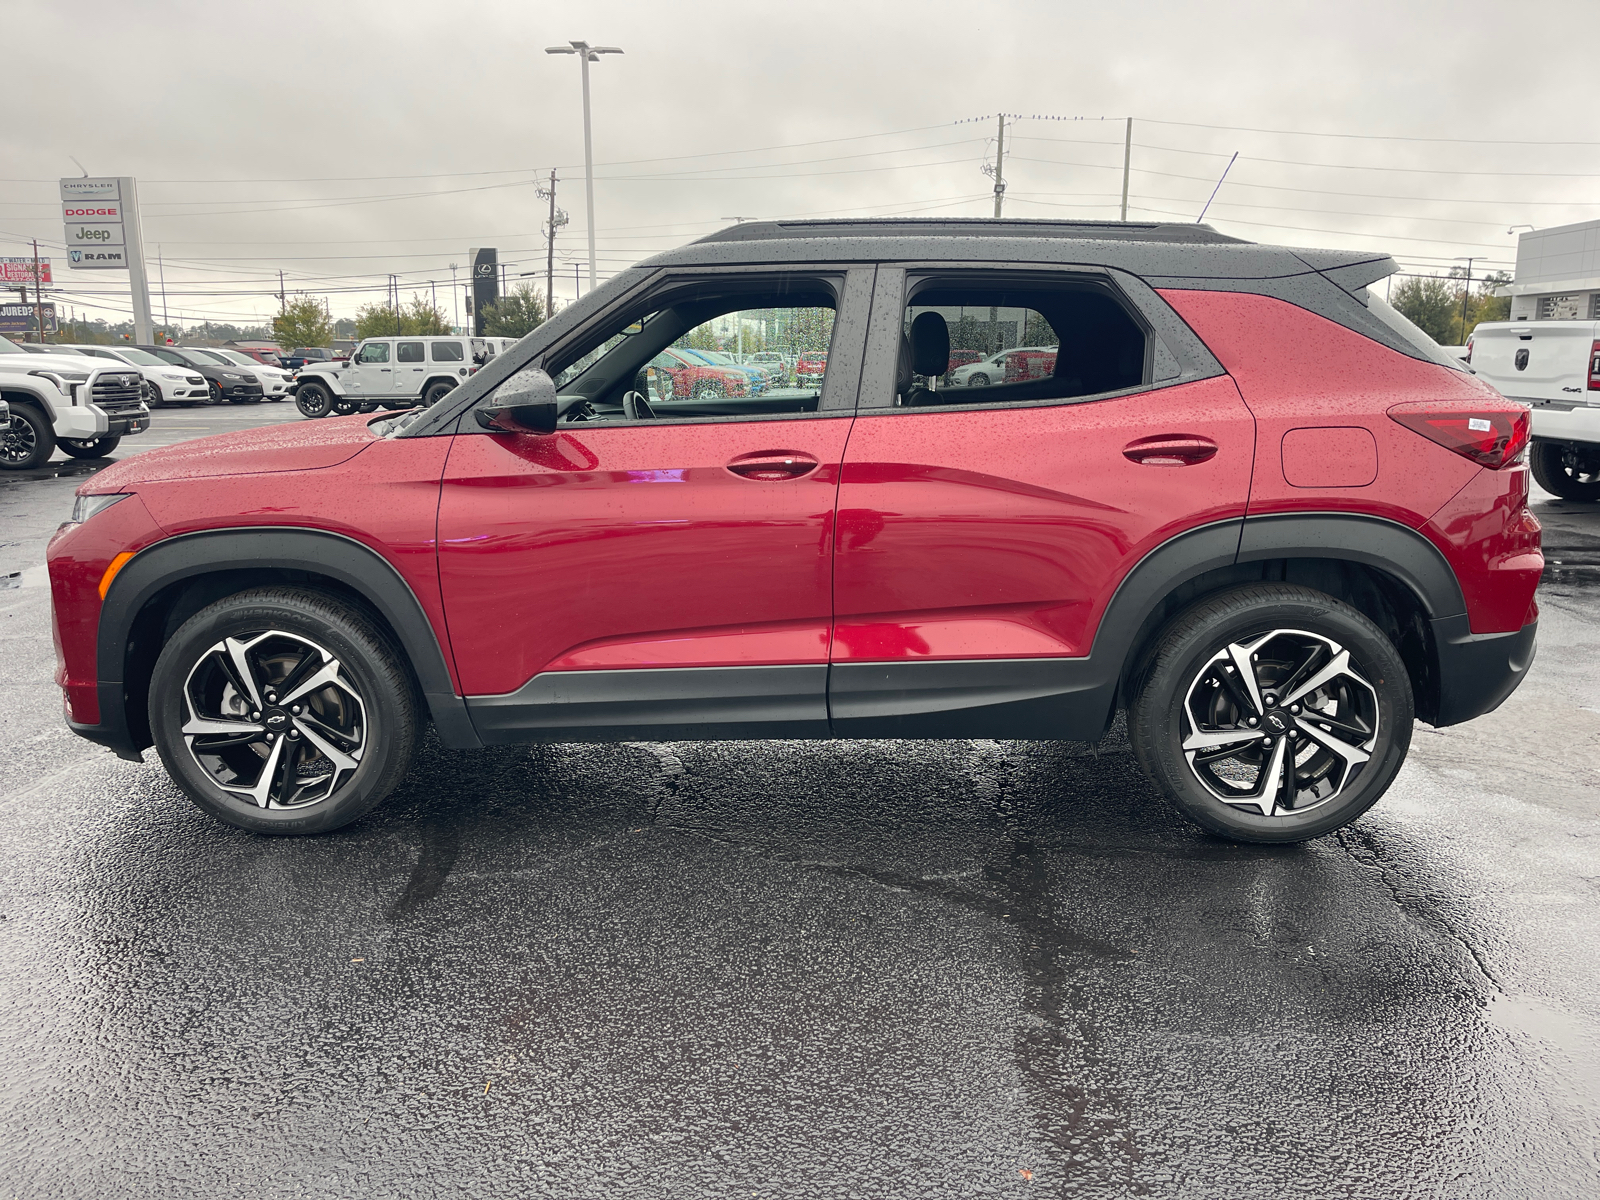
{"type": "Point", "coordinates": [1100, 231]}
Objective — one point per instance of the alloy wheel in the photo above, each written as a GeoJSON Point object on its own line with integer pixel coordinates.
{"type": "Point", "coordinates": [273, 718]}
{"type": "Point", "coordinates": [1279, 723]}
{"type": "Point", "coordinates": [19, 443]}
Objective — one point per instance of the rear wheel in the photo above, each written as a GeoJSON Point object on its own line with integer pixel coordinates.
{"type": "Point", "coordinates": [91, 447]}
{"type": "Point", "coordinates": [1570, 470]}
{"type": "Point", "coordinates": [313, 400]}
{"type": "Point", "coordinates": [343, 406]}
{"type": "Point", "coordinates": [1272, 713]}
{"type": "Point", "coordinates": [436, 393]}
{"type": "Point", "coordinates": [282, 711]}
{"type": "Point", "coordinates": [28, 443]}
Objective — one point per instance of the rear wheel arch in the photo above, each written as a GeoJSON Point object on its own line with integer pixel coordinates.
{"type": "Point", "coordinates": [165, 584]}
{"type": "Point", "coordinates": [1386, 570]}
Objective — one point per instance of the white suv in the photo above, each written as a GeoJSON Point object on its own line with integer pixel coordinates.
{"type": "Point", "coordinates": [392, 372]}
{"type": "Point", "coordinates": [166, 383]}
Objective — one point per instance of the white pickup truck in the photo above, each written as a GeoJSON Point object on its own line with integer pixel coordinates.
{"type": "Point", "coordinates": [84, 406]}
{"type": "Point", "coordinates": [1553, 366]}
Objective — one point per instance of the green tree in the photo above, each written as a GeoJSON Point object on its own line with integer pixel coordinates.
{"type": "Point", "coordinates": [417, 319]}
{"type": "Point", "coordinates": [303, 322]}
{"type": "Point", "coordinates": [517, 313]}
{"type": "Point", "coordinates": [1431, 304]}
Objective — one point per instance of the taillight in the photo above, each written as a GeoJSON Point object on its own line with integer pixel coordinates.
{"type": "Point", "coordinates": [1492, 438]}
{"type": "Point", "coordinates": [1594, 367]}
{"type": "Point", "coordinates": [1467, 357]}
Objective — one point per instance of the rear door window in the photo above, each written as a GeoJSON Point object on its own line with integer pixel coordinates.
{"type": "Point", "coordinates": [408, 352]}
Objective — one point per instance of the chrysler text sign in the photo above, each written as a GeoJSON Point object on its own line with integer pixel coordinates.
{"type": "Point", "coordinates": [90, 189]}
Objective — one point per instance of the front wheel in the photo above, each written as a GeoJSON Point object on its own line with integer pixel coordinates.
{"type": "Point", "coordinates": [1272, 713]}
{"type": "Point", "coordinates": [313, 400]}
{"type": "Point", "coordinates": [282, 710]}
{"type": "Point", "coordinates": [28, 443]}
{"type": "Point", "coordinates": [1570, 470]}
{"type": "Point", "coordinates": [979, 380]}
{"type": "Point", "coordinates": [97, 447]}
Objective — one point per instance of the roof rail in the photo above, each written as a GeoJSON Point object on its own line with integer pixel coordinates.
{"type": "Point", "coordinates": [870, 227]}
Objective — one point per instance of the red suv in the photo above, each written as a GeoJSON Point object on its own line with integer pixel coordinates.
{"type": "Point", "coordinates": [1250, 505]}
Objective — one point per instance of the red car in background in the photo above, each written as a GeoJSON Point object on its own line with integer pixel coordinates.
{"type": "Point", "coordinates": [1030, 364]}
{"type": "Point", "coordinates": [699, 380]}
{"type": "Point", "coordinates": [809, 368]}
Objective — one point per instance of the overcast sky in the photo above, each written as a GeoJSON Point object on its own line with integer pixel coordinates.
{"type": "Point", "coordinates": [342, 142]}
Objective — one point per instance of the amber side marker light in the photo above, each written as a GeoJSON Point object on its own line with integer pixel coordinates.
{"type": "Point", "coordinates": [116, 565]}
{"type": "Point", "coordinates": [1490, 437]}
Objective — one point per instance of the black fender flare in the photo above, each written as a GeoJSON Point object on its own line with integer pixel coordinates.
{"type": "Point", "coordinates": [252, 548]}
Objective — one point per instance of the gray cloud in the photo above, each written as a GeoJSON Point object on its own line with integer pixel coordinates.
{"type": "Point", "coordinates": [344, 142]}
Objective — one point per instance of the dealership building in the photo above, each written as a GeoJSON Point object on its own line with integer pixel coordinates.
{"type": "Point", "coordinates": [1557, 275]}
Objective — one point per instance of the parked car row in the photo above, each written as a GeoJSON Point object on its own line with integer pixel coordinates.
{"type": "Point", "coordinates": [85, 406]}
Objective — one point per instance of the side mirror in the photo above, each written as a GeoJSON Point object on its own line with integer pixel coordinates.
{"type": "Point", "coordinates": [525, 403]}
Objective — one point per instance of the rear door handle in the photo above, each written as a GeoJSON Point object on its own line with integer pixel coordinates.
{"type": "Point", "coordinates": [1171, 450]}
{"type": "Point", "coordinates": [773, 466]}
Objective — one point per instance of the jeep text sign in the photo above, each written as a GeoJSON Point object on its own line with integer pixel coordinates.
{"type": "Point", "coordinates": [94, 235]}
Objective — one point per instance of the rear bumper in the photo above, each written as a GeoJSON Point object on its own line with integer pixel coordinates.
{"type": "Point", "coordinates": [1558, 422]}
{"type": "Point", "coordinates": [1477, 671]}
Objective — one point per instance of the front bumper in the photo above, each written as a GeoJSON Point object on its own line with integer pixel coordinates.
{"type": "Point", "coordinates": [1477, 671]}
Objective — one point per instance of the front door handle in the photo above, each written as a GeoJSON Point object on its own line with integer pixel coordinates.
{"type": "Point", "coordinates": [1171, 450]}
{"type": "Point", "coordinates": [773, 466]}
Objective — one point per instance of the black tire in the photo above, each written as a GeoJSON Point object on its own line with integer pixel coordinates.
{"type": "Point", "coordinates": [1190, 656]}
{"type": "Point", "coordinates": [344, 406]}
{"type": "Point", "coordinates": [91, 447]}
{"type": "Point", "coordinates": [1570, 470]}
{"type": "Point", "coordinates": [157, 399]}
{"type": "Point", "coordinates": [188, 681]}
{"type": "Point", "coordinates": [215, 389]}
{"type": "Point", "coordinates": [436, 392]}
{"type": "Point", "coordinates": [371, 406]}
{"type": "Point", "coordinates": [709, 389]}
{"type": "Point", "coordinates": [29, 442]}
{"type": "Point", "coordinates": [313, 400]}
{"type": "Point", "coordinates": [978, 380]}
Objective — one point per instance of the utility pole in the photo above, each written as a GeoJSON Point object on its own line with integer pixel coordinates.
{"type": "Point", "coordinates": [1127, 161]}
{"type": "Point", "coordinates": [1466, 294]}
{"type": "Point", "coordinates": [38, 294]}
{"type": "Point", "coordinates": [455, 294]}
{"type": "Point", "coordinates": [577, 285]}
{"type": "Point", "coordinates": [1000, 168]}
{"type": "Point", "coordinates": [555, 221]}
{"type": "Point", "coordinates": [283, 303]}
{"type": "Point", "coordinates": [162, 267]}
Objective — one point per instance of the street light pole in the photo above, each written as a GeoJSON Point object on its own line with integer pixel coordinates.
{"type": "Point", "coordinates": [1466, 292]}
{"type": "Point", "coordinates": [587, 54]}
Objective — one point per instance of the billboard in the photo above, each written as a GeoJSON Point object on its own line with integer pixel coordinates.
{"type": "Point", "coordinates": [20, 270]}
{"type": "Point", "coordinates": [19, 318]}
{"type": "Point", "coordinates": [92, 215]}
{"type": "Point", "coordinates": [485, 283]}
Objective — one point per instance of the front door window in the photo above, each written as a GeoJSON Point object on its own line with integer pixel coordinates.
{"type": "Point", "coordinates": [682, 514]}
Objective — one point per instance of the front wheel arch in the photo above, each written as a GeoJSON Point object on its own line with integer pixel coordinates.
{"type": "Point", "coordinates": [164, 584]}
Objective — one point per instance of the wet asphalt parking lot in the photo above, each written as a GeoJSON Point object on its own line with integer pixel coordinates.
{"type": "Point", "coordinates": [831, 969]}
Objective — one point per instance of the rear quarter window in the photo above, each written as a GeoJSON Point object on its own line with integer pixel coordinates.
{"type": "Point", "coordinates": [448, 352]}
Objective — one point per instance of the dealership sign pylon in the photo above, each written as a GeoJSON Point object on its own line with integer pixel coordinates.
{"type": "Point", "coordinates": [101, 219]}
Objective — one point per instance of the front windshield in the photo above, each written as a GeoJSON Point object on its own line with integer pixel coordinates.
{"type": "Point", "coordinates": [143, 357]}
{"type": "Point", "coordinates": [7, 346]}
{"type": "Point", "coordinates": [208, 356]}
{"type": "Point", "coordinates": [244, 360]}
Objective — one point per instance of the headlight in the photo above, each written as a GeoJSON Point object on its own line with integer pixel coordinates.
{"type": "Point", "coordinates": [226, 375]}
{"type": "Point", "coordinates": [61, 378]}
{"type": "Point", "coordinates": [86, 506]}
{"type": "Point", "coordinates": [174, 378]}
